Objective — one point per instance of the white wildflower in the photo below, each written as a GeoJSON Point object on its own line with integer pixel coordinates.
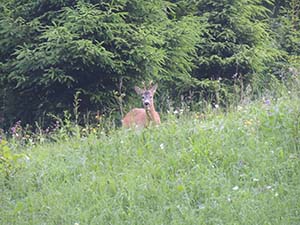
{"type": "Point", "coordinates": [27, 159]}
{"type": "Point", "coordinates": [201, 206]}
{"type": "Point", "coordinates": [235, 188]}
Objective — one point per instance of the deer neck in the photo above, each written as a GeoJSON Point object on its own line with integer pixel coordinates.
{"type": "Point", "coordinates": [150, 113]}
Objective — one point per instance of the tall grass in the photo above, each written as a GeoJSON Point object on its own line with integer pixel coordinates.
{"type": "Point", "coordinates": [238, 167]}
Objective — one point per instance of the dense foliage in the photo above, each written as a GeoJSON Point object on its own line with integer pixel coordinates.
{"type": "Point", "coordinates": [50, 50]}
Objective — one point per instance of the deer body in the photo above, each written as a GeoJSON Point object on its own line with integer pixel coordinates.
{"type": "Point", "coordinates": [143, 117]}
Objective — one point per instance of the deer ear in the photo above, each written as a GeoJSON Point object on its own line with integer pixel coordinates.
{"type": "Point", "coordinates": [138, 90]}
{"type": "Point", "coordinates": [153, 88]}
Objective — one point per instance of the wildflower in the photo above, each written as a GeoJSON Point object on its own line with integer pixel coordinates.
{"type": "Point", "coordinates": [162, 146]}
{"type": "Point", "coordinates": [267, 102]}
{"type": "Point", "coordinates": [13, 130]}
{"type": "Point", "coordinates": [27, 159]}
{"type": "Point", "coordinates": [56, 125]}
{"type": "Point", "coordinates": [98, 117]}
{"type": "Point", "coordinates": [235, 188]}
{"type": "Point", "coordinates": [239, 108]}
{"type": "Point", "coordinates": [201, 206]}
{"type": "Point", "coordinates": [255, 179]}
{"type": "Point", "coordinates": [248, 122]}
{"type": "Point", "coordinates": [234, 76]}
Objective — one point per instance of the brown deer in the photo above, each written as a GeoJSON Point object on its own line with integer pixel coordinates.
{"type": "Point", "coordinates": [143, 117]}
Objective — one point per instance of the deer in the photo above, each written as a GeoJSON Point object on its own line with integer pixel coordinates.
{"type": "Point", "coordinates": [143, 117]}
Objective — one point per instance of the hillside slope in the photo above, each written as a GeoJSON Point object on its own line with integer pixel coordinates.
{"type": "Point", "coordinates": [242, 167]}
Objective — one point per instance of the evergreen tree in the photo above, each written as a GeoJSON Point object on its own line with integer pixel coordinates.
{"type": "Point", "coordinates": [52, 49]}
{"type": "Point", "coordinates": [237, 41]}
{"type": "Point", "coordinates": [286, 27]}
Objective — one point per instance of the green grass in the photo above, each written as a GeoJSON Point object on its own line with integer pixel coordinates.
{"type": "Point", "coordinates": [239, 167]}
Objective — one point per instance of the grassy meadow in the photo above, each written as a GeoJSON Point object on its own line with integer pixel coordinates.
{"type": "Point", "coordinates": [235, 167]}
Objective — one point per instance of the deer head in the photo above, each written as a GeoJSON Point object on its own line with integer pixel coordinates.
{"type": "Point", "coordinates": [142, 117]}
